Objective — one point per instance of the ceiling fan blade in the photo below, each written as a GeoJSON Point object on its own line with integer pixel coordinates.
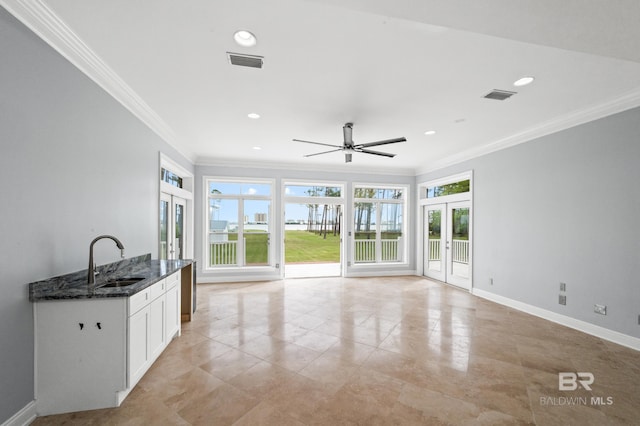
{"type": "Point", "coordinates": [369, 151]}
{"type": "Point", "coordinates": [317, 143]}
{"type": "Point", "coordinates": [324, 152]}
{"type": "Point", "coordinates": [384, 142]}
{"type": "Point", "coordinates": [347, 131]}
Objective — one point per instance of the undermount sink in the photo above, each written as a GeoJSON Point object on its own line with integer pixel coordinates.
{"type": "Point", "coordinates": [122, 282]}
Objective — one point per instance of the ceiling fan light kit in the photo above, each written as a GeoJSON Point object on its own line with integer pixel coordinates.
{"type": "Point", "coordinates": [348, 147]}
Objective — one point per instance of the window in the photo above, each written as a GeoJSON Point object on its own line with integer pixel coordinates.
{"type": "Point", "coordinates": [170, 177]}
{"type": "Point", "coordinates": [379, 224]}
{"type": "Point", "coordinates": [448, 189]}
{"type": "Point", "coordinates": [175, 211]}
{"type": "Point", "coordinates": [312, 191]}
{"type": "Point", "coordinates": [238, 222]}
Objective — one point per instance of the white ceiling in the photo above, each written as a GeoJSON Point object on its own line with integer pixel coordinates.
{"type": "Point", "coordinates": [392, 68]}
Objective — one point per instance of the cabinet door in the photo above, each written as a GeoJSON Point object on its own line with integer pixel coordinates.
{"type": "Point", "coordinates": [139, 354]}
{"type": "Point", "coordinates": [80, 350]}
{"type": "Point", "coordinates": [157, 327]}
{"type": "Point", "coordinates": [173, 312]}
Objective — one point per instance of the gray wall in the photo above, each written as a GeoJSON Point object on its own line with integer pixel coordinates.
{"type": "Point", "coordinates": [310, 176]}
{"type": "Point", "coordinates": [75, 164]}
{"type": "Point", "coordinates": [563, 208]}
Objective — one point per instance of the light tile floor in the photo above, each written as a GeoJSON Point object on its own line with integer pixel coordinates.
{"type": "Point", "coordinates": [372, 351]}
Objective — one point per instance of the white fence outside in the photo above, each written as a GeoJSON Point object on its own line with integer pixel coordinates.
{"type": "Point", "coordinates": [434, 249]}
{"type": "Point", "coordinates": [365, 250]}
{"type": "Point", "coordinates": [459, 251]}
{"type": "Point", "coordinates": [224, 253]}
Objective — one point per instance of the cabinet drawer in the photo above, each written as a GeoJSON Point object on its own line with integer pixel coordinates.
{"type": "Point", "coordinates": [158, 289]}
{"type": "Point", "coordinates": [173, 280]}
{"type": "Point", "coordinates": [139, 301]}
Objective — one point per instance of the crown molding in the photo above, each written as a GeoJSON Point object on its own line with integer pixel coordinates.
{"type": "Point", "coordinates": [342, 168]}
{"type": "Point", "coordinates": [621, 103]}
{"type": "Point", "coordinates": [43, 21]}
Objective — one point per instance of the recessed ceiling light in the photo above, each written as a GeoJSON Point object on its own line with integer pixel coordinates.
{"type": "Point", "coordinates": [245, 38]}
{"type": "Point", "coordinates": [257, 148]}
{"type": "Point", "coordinates": [523, 81]}
{"type": "Point", "coordinates": [430, 132]}
{"type": "Point", "coordinates": [253, 115]}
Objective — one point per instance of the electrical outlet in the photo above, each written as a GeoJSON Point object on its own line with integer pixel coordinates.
{"type": "Point", "coordinates": [562, 299]}
{"type": "Point", "coordinates": [490, 281]}
{"type": "Point", "coordinates": [277, 265]}
{"type": "Point", "coordinates": [563, 286]}
{"type": "Point", "coordinates": [600, 309]}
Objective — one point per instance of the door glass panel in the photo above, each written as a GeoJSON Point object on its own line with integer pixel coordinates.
{"type": "Point", "coordinates": [365, 232]}
{"type": "Point", "coordinates": [256, 232]}
{"type": "Point", "coordinates": [164, 225]}
{"type": "Point", "coordinates": [179, 228]}
{"type": "Point", "coordinates": [460, 242]}
{"type": "Point", "coordinates": [435, 240]}
{"type": "Point", "coordinates": [223, 232]}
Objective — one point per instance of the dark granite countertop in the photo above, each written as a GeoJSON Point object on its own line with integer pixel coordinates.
{"type": "Point", "coordinates": [74, 285]}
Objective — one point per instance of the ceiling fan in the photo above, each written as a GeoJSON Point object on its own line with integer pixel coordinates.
{"type": "Point", "coordinates": [348, 147]}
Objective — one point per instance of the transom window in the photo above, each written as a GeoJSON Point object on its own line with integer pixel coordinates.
{"type": "Point", "coordinates": [171, 178]}
{"type": "Point", "coordinates": [312, 191]}
{"type": "Point", "coordinates": [448, 189]}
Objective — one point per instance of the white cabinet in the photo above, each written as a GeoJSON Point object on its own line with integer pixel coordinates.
{"type": "Point", "coordinates": [154, 319]}
{"type": "Point", "coordinates": [173, 306]}
{"type": "Point", "coordinates": [157, 326]}
{"type": "Point", "coordinates": [90, 353]}
{"type": "Point", "coordinates": [80, 352]}
{"type": "Point", "coordinates": [138, 345]}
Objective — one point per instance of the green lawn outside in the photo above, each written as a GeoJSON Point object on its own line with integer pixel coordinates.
{"type": "Point", "coordinates": [306, 247]}
{"type": "Point", "coordinates": [300, 247]}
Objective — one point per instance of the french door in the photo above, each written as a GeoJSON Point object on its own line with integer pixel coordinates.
{"type": "Point", "coordinates": [447, 251]}
{"type": "Point", "coordinates": [172, 227]}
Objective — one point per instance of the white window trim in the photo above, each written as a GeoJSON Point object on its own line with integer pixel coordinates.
{"type": "Point", "coordinates": [405, 206]}
{"type": "Point", "coordinates": [423, 201]}
{"type": "Point", "coordinates": [186, 192]}
{"type": "Point", "coordinates": [422, 189]}
{"type": "Point", "coordinates": [271, 198]}
{"type": "Point", "coordinates": [296, 199]}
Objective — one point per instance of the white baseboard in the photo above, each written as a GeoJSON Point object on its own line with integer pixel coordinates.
{"type": "Point", "coordinates": [24, 416]}
{"type": "Point", "coordinates": [585, 327]}
{"type": "Point", "coordinates": [381, 273]}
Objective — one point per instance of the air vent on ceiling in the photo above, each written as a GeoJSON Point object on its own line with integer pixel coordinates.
{"type": "Point", "coordinates": [245, 60]}
{"type": "Point", "coordinates": [499, 95]}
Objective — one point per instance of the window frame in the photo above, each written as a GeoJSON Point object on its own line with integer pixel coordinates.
{"type": "Point", "coordinates": [271, 198]}
{"type": "Point", "coordinates": [186, 193]}
{"type": "Point", "coordinates": [378, 202]}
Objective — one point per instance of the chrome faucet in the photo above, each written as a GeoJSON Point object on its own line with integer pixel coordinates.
{"type": "Point", "coordinates": [91, 278]}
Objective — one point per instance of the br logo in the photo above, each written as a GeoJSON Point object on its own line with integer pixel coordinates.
{"type": "Point", "coordinates": [571, 381]}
